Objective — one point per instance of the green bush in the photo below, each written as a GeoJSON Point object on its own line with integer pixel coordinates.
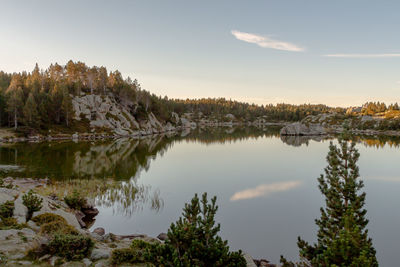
{"type": "Point", "coordinates": [140, 244]}
{"type": "Point", "coordinates": [75, 200]}
{"type": "Point", "coordinates": [60, 227]}
{"type": "Point", "coordinates": [32, 202]}
{"type": "Point", "coordinates": [47, 218]}
{"type": "Point", "coordinates": [6, 209]}
{"type": "Point", "coordinates": [126, 255]}
{"type": "Point", "coordinates": [71, 247]}
{"type": "Point", "coordinates": [192, 240]}
{"type": "Point", "coordinates": [10, 223]}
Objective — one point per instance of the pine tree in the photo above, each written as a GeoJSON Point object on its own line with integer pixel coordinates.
{"type": "Point", "coordinates": [67, 107]}
{"type": "Point", "coordinates": [342, 236]}
{"type": "Point", "coordinates": [14, 103]}
{"type": "Point", "coordinates": [56, 96]}
{"type": "Point", "coordinates": [30, 110]}
{"type": "Point", "coordinates": [193, 240]}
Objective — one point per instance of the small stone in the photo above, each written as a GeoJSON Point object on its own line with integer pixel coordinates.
{"type": "Point", "coordinates": [45, 257]}
{"type": "Point", "coordinates": [162, 236]}
{"type": "Point", "coordinates": [99, 231]}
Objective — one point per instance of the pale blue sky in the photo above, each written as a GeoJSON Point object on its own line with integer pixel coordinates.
{"type": "Point", "coordinates": [255, 51]}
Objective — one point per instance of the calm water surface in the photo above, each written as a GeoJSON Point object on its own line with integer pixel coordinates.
{"type": "Point", "coordinates": [266, 186]}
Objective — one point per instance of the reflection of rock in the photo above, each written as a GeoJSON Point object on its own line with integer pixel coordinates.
{"type": "Point", "coordinates": [299, 128]}
{"type": "Point", "coordinates": [300, 140]}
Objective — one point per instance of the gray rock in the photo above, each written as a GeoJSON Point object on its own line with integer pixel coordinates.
{"type": "Point", "coordinates": [20, 210]}
{"type": "Point", "coordinates": [162, 236]}
{"type": "Point", "coordinates": [299, 128]}
{"type": "Point", "coordinates": [99, 231]}
{"type": "Point", "coordinates": [102, 263]}
{"type": "Point", "coordinates": [33, 225]}
{"type": "Point", "coordinates": [53, 260]}
{"type": "Point", "coordinates": [87, 262]}
{"type": "Point", "coordinates": [7, 195]}
{"type": "Point", "coordinates": [54, 207]}
{"type": "Point", "coordinates": [100, 253]}
{"type": "Point", "coordinates": [97, 236]}
{"type": "Point", "coordinates": [249, 260]}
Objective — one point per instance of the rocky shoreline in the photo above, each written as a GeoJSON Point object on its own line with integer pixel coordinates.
{"type": "Point", "coordinates": [17, 241]}
{"type": "Point", "coordinates": [325, 124]}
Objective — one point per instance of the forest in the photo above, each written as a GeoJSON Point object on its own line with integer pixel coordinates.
{"type": "Point", "coordinates": [42, 98]}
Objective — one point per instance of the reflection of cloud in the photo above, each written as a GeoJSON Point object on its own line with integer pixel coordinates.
{"type": "Point", "coordinates": [265, 190]}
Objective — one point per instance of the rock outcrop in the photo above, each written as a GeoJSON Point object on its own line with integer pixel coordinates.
{"type": "Point", "coordinates": [104, 112]}
{"type": "Point", "coordinates": [300, 129]}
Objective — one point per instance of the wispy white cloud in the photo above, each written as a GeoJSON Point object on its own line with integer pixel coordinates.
{"type": "Point", "coordinates": [364, 55]}
{"type": "Point", "coordinates": [265, 190]}
{"type": "Point", "coordinates": [265, 42]}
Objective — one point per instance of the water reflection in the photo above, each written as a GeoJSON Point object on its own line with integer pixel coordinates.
{"type": "Point", "coordinates": [368, 141]}
{"type": "Point", "coordinates": [264, 190]}
{"type": "Point", "coordinates": [129, 197]}
{"type": "Point", "coordinates": [108, 171]}
{"type": "Point", "coordinates": [301, 140]}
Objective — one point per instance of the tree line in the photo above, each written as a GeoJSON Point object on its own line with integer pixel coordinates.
{"type": "Point", "coordinates": [42, 98]}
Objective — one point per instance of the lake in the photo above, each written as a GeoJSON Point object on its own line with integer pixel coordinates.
{"type": "Point", "coordinates": [266, 186]}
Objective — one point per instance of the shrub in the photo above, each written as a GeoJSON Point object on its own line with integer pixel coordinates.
{"type": "Point", "coordinates": [139, 244]}
{"type": "Point", "coordinates": [126, 255]}
{"type": "Point", "coordinates": [32, 202]}
{"type": "Point", "coordinates": [60, 227]}
{"type": "Point", "coordinates": [47, 218]}
{"type": "Point", "coordinates": [75, 200]}
{"type": "Point", "coordinates": [6, 209]}
{"type": "Point", "coordinates": [9, 223]}
{"type": "Point", "coordinates": [71, 247]}
{"type": "Point", "coordinates": [193, 240]}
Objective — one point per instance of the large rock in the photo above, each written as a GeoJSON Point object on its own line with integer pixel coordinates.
{"type": "Point", "coordinates": [299, 128]}
{"type": "Point", "coordinates": [7, 195]}
{"type": "Point", "coordinates": [56, 207]}
{"type": "Point", "coordinates": [100, 253]}
{"type": "Point", "coordinates": [14, 242]}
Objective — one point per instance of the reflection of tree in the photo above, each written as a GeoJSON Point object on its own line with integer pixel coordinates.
{"type": "Point", "coordinates": [128, 197]}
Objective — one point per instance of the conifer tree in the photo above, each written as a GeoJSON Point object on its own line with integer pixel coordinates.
{"type": "Point", "coordinates": [67, 107]}
{"type": "Point", "coordinates": [14, 103]}
{"type": "Point", "coordinates": [342, 235]}
{"type": "Point", "coordinates": [30, 110]}
{"type": "Point", "coordinates": [193, 240]}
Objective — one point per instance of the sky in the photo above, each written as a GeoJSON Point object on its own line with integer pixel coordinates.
{"type": "Point", "coordinates": [339, 53]}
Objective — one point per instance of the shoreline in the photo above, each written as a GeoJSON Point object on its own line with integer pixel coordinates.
{"type": "Point", "coordinates": [13, 252]}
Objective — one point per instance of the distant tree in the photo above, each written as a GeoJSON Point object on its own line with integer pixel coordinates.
{"type": "Point", "coordinates": [342, 236]}
{"type": "Point", "coordinates": [91, 76]}
{"type": "Point", "coordinates": [102, 78]}
{"type": "Point", "coordinates": [67, 107]}
{"type": "Point", "coordinates": [15, 100]}
{"type": "Point", "coordinates": [56, 96]}
{"type": "Point", "coordinates": [30, 110]}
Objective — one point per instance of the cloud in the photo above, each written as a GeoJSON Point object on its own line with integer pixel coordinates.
{"type": "Point", "coordinates": [265, 42]}
{"type": "Point", "coordinates": [363, 55]}
{"type": "Point", "coordinates": [265, 190]}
